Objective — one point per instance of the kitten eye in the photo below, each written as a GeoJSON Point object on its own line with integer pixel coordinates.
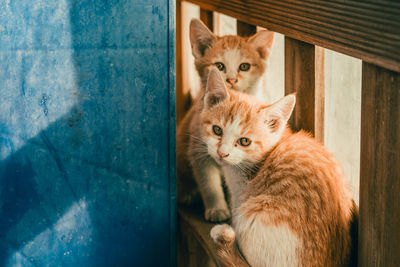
{"type": "Point", "coordinates": [244, 67]}
{"type": "Point", "coordinates": [220, 66]}
{"type": "Point", "coordinates": [244, 141]}
{"type": "Point", "coordinates": [217, 130]}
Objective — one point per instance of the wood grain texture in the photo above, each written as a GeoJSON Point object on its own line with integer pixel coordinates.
{"type": "Point", "coordinates": [245, 29]}
{"type": "Point", "coordinates": [379, 236]}
{"type": "Point", "coordinates": [180, 99]}
{"type": "Point", "coordinates": [302, 63]}
{"type": "Point", "coordinates": [207, 17]}
{"type": "Point", "coordinates": [195, 246]}
{"type": "Point", "coordinates": [366, 30]}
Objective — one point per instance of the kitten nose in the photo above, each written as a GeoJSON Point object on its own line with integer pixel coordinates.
{"type": "Point", "coordinates": [232, 81]}
{"type": "Point", "coordinates": [222, 154]}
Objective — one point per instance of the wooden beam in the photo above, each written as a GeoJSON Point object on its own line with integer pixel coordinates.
{"type": "Point", "coordinates": [180, 100]}
{"type": "Point", "coordinates": [244, 29]}
{"type": "Point", "coordinates": [369, 30]}
{"type": "Point", "coordinates": [304, 76]}
{"type": "Point", "coordinates": [207, 17]}
{"type": "Point", "coordinates": [379, 236]}
{"type": "Point", "coordinates": [195, 247]}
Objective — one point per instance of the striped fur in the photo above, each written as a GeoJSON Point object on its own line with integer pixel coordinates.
{"type": "Point", "coordinates": [228, 252]}
{"type": "Point", "coordinates": [290, 203]}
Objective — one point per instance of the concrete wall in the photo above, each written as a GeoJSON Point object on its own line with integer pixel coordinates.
{"type": "Point", "coordinates": [87, 133]}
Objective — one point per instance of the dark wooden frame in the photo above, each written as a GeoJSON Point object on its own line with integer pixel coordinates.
{"type": "Point", "coordinates": [366, 30]}
{"type": "Point", "coordinates": [369, 31]}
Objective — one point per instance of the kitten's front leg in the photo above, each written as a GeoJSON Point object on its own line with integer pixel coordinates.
{"type": "Point", "coordinates": [208, 178]}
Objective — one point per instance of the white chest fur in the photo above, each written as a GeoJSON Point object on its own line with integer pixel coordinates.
{"type": "Point", "coordinates": [261, 243]}
{"type": "Point", "coordinates": [266, 244]}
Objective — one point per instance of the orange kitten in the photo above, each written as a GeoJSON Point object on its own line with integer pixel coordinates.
{"type": "Point", "coordinates": [242, 62]}
{"type": "Point", "coordinates": [290, 203]}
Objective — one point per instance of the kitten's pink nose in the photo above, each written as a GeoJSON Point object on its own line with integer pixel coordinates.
{"type": "Point", "coordinates": [232, 81]}
{"type": "Point", "coordinates": [222, 154]}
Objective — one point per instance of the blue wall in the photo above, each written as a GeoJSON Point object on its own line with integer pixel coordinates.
{"type": "Point", "coordinates": [87, 130]}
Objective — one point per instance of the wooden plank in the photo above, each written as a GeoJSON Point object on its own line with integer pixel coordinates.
{"type": "Point", "coordinates": [245, 29]}
{"type": "Point", "coordinates": [207, 17]}
{"type": "Point", "coordinates": [303, 65]}
{"type": "Point", "coordinates": [366, 30]}
{"type": "Point", "coordinates": [180, 100]}
{"type": "Point", "coordinates": [380, 168]}
{"type": "Point", "coordinates": [195, 246]}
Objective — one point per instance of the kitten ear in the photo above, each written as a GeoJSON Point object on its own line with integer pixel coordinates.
{"type": "Point", "coordinates": [279, 113]}
{"type": "Point", "coordinates": [200, 37]}
{"type": "Point", "coordinates": [262, 42]}
{"type": "Point", "coordinates": [216, 90]}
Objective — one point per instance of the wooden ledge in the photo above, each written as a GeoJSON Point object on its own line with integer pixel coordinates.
{"type": "Point", "coordinates": [195, 246]}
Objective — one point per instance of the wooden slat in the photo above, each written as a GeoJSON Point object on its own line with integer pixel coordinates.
{"type": "Point", "coordinates": [245, 29]}
{"type": "Point", "coordinates": [366, 30]}
{"type": "Point", "coordinates": [195, 247]}
{"type": "Point", "coordinates": [207, 17]}
{"type": "Point", "coordinates": [379, 235]}
{"type": "Point", "coordinates": [303, 65]}
{"type": "Point", "coordinates": [179, 79]}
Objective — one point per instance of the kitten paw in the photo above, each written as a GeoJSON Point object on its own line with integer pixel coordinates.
{"type": "Point", "coordinates": [222, 234]}
{"type": "Point", "coordinates": [217, 215]}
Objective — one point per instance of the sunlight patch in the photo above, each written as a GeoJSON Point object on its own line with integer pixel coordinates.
{"type": "Point", "coordinates": [67, 241]}
{"type": "Point", "coordinates": [39, 79]}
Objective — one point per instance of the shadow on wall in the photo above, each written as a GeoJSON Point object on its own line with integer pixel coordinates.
{"type": "Point", "coordinates": [83, 170]}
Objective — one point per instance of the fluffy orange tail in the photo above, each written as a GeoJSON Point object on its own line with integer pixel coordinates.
{"type": "Point", "coordinates": [228, 253]}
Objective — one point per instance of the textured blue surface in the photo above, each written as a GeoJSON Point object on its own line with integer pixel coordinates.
{"type": "Point", "coordinates": [87, 130]}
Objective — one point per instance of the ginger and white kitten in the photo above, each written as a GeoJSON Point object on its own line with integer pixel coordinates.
{"type": "Point", "coordinates": [242, 62]}
{"type": "Point", "coordinates": [290, 203]}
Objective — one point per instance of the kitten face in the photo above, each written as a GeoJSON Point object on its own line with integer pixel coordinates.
{"type": "Point", "coordinates": [239, 67]}
{"type": "Point", "coordinates": [229, 138]}
{"type": "Point", "coordinates": [241, 61]}
{"type": "Point", "coordinates": [237, 128]}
